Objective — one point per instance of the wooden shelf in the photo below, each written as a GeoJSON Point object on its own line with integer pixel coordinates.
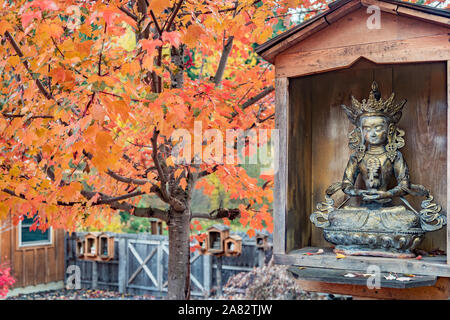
{"type": "Point", "coordinates": [338, 276]}
{"type": "Point", "coordinates": [432, 266]}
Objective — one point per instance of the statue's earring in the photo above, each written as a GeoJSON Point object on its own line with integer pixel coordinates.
{"type": "Point", "coordinates": [391, 147]}
{"type": "Point", "coordinates": [361, 149]}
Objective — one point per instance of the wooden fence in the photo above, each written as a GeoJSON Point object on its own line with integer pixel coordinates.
{"type": "Point", "coordinates": [140, 265]}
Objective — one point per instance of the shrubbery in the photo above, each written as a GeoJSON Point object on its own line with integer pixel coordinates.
{"type": "Point", "coordinates": [6, 280]}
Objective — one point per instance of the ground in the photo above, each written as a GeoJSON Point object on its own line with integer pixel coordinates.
{"type": "Point", "coordinates": [271, 282]}
{"type": "Point", "coordinates": [83, 294]}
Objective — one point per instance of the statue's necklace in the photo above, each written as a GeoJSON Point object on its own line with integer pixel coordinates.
{"type": "Point", "coordinates": [373, 166]}
{"type": "Point", "coordinates": [377, 152]}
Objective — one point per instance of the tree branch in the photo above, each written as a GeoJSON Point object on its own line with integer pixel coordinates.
{"type": "Point", "coordinates": [114, 203]}
{"type": "Point", "coordinates": [206, 172]}
{"type": "Point", "coordinates": [105, 199]}
{"type": "Point", "coordinates": [39, 84]}
{"type": "Point", "coordinates": [218, 214]}
{"type": "Point", "coordinates": [10, 115]}
{"type": "Point", "coordinates": [168, 23]}
{"type": "Point", "coordinates": [253, 100]}
{"type": "Point", "coordinates": [158, 29]}
{"type": "Point", "coordinates": [128, 13]}
{"type": "Point", "coordinates": [223, 61]}
{"type": "Point", "coordinates": [151, 213]}
{"type": "Point", "coordinates": [177, 205]}
{"type": "Point", "coordinates": [120, 178]}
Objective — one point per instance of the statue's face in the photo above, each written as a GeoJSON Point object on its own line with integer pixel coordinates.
{"type": "Point", "coordinates": [374, 129]}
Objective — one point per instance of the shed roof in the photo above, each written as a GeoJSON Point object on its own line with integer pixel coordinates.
{"type": "Point", "coordinates": [340, 8]}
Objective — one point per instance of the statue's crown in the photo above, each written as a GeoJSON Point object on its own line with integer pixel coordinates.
{"type": "Point", "coordinates": [374, 106]}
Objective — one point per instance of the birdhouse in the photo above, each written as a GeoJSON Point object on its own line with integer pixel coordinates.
{"type": "Point", "coordinates": [319, 65]}
{"type": "Point", "coordinates": [91, 246]}
{"type": "Point", "coordinates": [156, 226]}
{"type": "Point", "coordinates": [215, 240]}
{"type": "Point", "coordinates": [80, 248]}
{"type": "Point", "coordinates": [106, 247]}
{"type": "Point", "coordinates": [261, 240]}
{"type": "Point", "coordinates": [233, 245]}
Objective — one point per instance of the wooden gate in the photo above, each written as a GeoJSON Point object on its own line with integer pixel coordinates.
{"type": "Point", "coordinates": [145, 267]}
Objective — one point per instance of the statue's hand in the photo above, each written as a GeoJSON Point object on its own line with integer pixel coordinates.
{"type": "Point", "coordinates": [375, 195]}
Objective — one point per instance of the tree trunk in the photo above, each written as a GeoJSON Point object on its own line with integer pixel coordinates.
{"type": "Point", "coordinates": [179, 255]}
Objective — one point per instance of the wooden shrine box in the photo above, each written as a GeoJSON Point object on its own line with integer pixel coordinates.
{"type": "Point", "coordinates": [319, 64]}
{"type": "Point", "coordinates": [233, 246]}
{"type": "Point", "coordinates": [156, 226]}
{"type": "Point", "coordinates": [216, 237]}
{"type": "Point", "coordinates": [91, 251]}
{"type": "Point", "coordinates": [106, 247]}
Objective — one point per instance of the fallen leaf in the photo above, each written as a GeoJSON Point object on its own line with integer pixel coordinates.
{"type": "Point", "coordinates": [320, 251]}
{"type": "Point", "coordinates": [409, 275]}
{"type": "Point", "coordinates": [403, 279]}
{"type": "Point", "coordinates": [340, 256]}
{"type": "Point", "coordinates": [349, 275]}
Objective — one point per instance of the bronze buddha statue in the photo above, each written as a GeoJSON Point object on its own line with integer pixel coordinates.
{"type": "Point", "coordinates": [377, 227]}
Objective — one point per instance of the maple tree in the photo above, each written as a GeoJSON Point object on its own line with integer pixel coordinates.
{"type": "Point", "coordinates": [92, 92]}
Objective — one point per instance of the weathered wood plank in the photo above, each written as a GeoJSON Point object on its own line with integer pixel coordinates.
{"type": "Point", "coordinates": [432, 48]}
{"type": "Point", "coordinates": [432, 266]}
{"type": "Point", "coordinates": [338, 276]}
{"type": "Point", "coordinates": [207, 274]}
{"type": "Point", "coordinates": [281, 166]}
{"type": "Point", "coordinates": [423, 16]}
{"type": "Point", "coordinates": [122, 276]}
{"type": "Point", "coordinates": [384, 6]}
{"type": "Point", "coordinates": [448, 157]}
{"type": "Point", "coordinates": [94, 282]}
{"type": "Point", "coordinates": [346, 9]}
{"type": "Point", "coordinates": [440, 291]}
{"type": "Point", "coordinates": [424, 121]}
{"type": "Point", "coordinates": [299, 158]}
